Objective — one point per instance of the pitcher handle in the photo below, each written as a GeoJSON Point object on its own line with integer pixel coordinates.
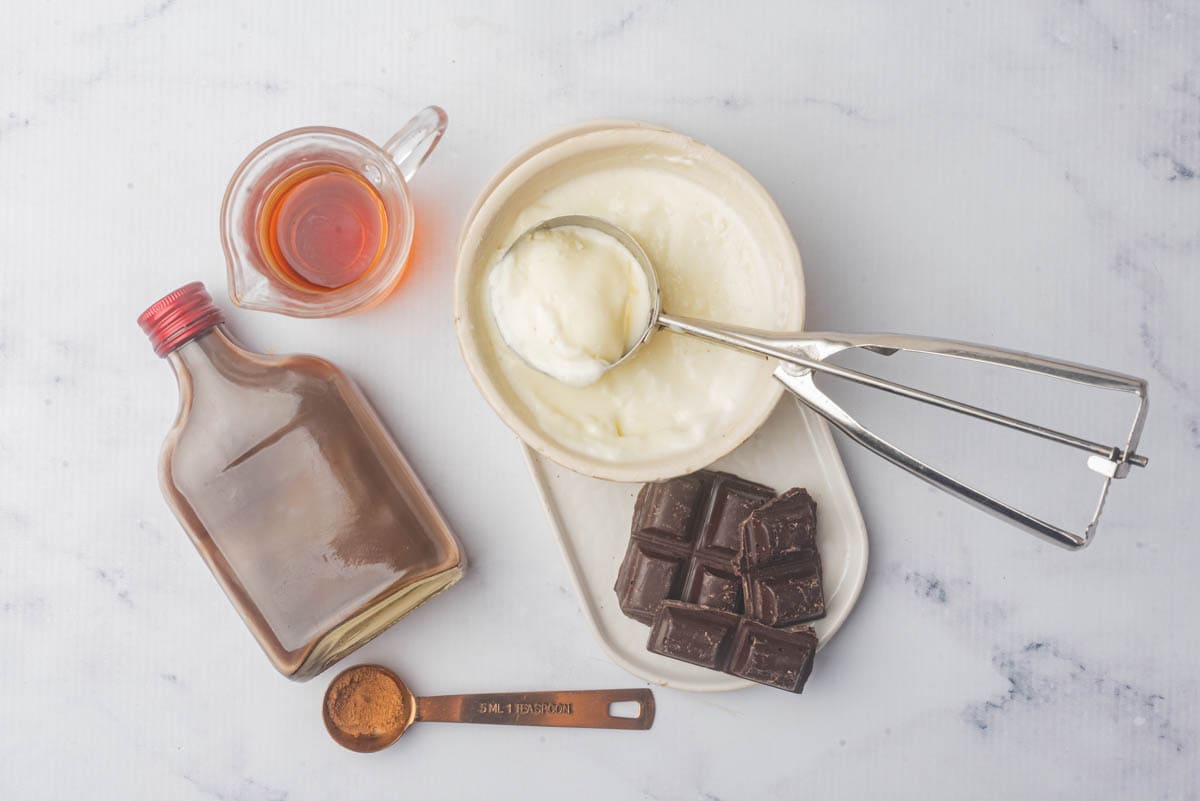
{"type": "Point", "coordinates": [413, 143]}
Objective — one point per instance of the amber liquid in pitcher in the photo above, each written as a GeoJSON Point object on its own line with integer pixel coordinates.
{"type": "Point", "coordinates": [304, 508]}
{"type": "Point", "coordinates": [322, 227]}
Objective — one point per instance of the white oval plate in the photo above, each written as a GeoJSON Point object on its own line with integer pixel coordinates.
{"type": "Point", "coordinates": [591, 519]}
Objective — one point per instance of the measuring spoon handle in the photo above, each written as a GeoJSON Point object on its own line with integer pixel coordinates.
{"type": "Point", "coordinates": [587, 709]}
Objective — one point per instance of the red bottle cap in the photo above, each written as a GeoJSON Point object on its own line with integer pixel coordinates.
{"type": "Point", "coordinates": [182, 315]}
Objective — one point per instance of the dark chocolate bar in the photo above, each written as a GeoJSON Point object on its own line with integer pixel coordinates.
{"type": "Point", "coordinates": [779, 564]}
{"type": "Point", "coordinates": [685, 543]}
{"type": "Point", "coordinates": [734, 644]}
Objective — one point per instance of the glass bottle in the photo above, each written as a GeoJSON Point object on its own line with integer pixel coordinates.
{"type": "Point", "coordinates": [306, 512]}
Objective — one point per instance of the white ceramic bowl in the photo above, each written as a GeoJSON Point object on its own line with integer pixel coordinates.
{"type": "Point", "coordinates": [558, 158]}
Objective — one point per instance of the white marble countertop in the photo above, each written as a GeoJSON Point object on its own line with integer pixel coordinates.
{"type": "Point", "coordinates": [1023, 173]}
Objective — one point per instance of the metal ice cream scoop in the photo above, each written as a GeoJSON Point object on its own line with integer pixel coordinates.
{"type": "Point", "coordinates": [804, 353]}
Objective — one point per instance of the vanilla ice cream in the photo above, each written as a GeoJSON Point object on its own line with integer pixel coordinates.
{"type": "Point", "coordinates": [571, 301]}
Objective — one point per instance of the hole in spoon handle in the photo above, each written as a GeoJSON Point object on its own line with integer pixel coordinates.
{"type": "Point", "coordinates": [587, 709]}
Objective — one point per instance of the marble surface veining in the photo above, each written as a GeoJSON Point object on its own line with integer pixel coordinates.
{"type": "Point", "coordinates": [1025, 173]}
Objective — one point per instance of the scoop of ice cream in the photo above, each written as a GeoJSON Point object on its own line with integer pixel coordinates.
{"type": "Point", "coordinates": [570, 301]}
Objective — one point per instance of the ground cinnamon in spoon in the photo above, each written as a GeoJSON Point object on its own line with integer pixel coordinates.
{"type": "Point", "coordinates": [367, 702]}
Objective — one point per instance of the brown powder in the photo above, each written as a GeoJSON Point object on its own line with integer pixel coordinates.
{"type": "Point", "coordinates": [367, 702]}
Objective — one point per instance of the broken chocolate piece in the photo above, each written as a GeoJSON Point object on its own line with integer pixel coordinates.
{"type": "Point", "coordinates": [694, 633]}
{"type": "Point", "coordinates": [785, 594]}
{"type": "Point", "coordinates": [783, 529]}
{"type": "Point", "coordinates": [685, 541]}
{"type": "Point", "coordinates": [779, 563]}
{"type": "Point", "coordinates": [780, 658]}
{"type": "Point", "coordinates": [723, 602]}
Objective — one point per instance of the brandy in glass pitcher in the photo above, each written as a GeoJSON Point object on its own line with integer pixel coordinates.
{"type": "Point", "coordinates": [319, 221]}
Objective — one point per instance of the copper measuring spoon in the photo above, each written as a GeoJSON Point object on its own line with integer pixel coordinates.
{"type": "Point", "coordinates": [366, 686]}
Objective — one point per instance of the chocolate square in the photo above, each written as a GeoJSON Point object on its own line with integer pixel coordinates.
{"type": "Point", "coordinates": [786, 594]}
{"type": "Point", "coordinates": [648, 576]}
{"type": "Point", "coordinates": [670, 508]}
{"type": "Point", "coordinates": [714, 585]}
{"type": "Point", "coordinates": [693, 633]}
{"type": "Point", "coordinates": [780, 658]}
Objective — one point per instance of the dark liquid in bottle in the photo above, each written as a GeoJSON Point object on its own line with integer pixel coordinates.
{"type": "Point", "coordinates": [310, 517]}
{"type": "Point", "coordinates": [323, 227]}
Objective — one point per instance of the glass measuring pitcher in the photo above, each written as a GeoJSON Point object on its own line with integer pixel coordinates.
{"type": "Point", "coordinates": [319, 221]}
